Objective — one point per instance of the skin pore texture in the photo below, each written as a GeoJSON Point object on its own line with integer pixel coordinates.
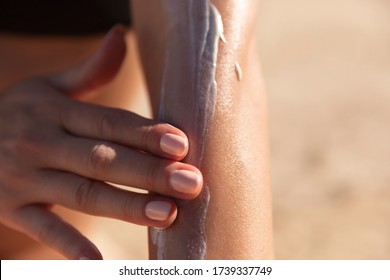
{"type": "Point", "coordinates": [237, 224]}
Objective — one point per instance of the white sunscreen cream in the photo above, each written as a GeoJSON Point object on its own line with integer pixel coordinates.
{"type": "Point", "coordinates": [188, 98]}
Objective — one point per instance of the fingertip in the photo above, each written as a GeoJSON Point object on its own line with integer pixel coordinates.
{"type": "Point", "coordinates": [184, 181]}
{"type": "Point", "coordinates": [91, 253]}
{"type": "Point", "coordinates": [173, 215]}
{"type": "Point", "coordinates": [160, 213]}
{"type": "Point", "coordinates": [49, 229]}
{"type": "Point", "coordinates": [88, 257]}
{"type": "Point", "coordinates": [174, 145]}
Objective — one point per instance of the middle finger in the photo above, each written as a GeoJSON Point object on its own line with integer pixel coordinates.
{"type": "Point", "coordinates": [105, 161]}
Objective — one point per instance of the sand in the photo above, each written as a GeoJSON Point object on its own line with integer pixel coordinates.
{"type": "Point", "coordinates": [326, 65]}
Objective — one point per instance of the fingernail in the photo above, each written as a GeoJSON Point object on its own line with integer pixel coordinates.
{"type": "Point", "coordinates": [173, 144]}
{"type": "Point", "coordinates": [84, 258]}
{"type": "Point", "coordinates": [185, 181]}
{"type": "Point", "coordinates": [158, 210]}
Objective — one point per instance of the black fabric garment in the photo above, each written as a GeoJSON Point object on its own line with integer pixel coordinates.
{"type": "Point", "coordinates": [63, 17]}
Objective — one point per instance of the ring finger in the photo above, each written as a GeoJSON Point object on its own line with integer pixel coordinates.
{"type": "Point", "coordinates": [101, 199]}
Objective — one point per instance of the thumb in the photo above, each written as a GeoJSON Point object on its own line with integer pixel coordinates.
{"type": "Point", "coordinates": [97, 70]}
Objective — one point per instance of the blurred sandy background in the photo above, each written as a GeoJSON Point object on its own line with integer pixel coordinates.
{"type": "Point", "coordinates": [327, 69]}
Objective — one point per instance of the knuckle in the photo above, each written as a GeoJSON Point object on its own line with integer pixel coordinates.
{"type": "Point", "coordinates": [27, 148]}
{"type": "Point", "coordinates": [152, 175]}
{"type": "Point", "coordinates": [129, 208]}
{"type": "Point", "coordinates": [25, 143]}
{"type": "Point", "coordinates": [107, 123]}
{"type": "Point", "coordinates": [84, 194]}
{"type": "Point", "coordinates": [100, 159]}
{"type": "Point", "coordinates": [150, 136]}
{"type": "Point", "coordinates": [146, 137]}
{"type": "Point", "coordinates": [48, 108]}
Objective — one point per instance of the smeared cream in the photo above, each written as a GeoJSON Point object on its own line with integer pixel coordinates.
{"type": "Point", "coordinates": [188, 98]}
{"type": "Point", "coordinates": [238, 69]}
{"type": "Point", "coordinates": [219, 25]}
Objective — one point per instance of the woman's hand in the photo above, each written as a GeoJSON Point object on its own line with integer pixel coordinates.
{"type": "Point", "coordinates": [57, 150]}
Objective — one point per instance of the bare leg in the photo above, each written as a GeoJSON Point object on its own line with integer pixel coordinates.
{"type": "Point", "coordinates": [235, 163]}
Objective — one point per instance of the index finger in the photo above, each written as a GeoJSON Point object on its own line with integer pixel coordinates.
{"type": "Point", "coordinates": [125, 128]}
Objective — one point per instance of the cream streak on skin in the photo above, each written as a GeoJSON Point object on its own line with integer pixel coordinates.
{"type": "Point", "coordinates": [188, 98]}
